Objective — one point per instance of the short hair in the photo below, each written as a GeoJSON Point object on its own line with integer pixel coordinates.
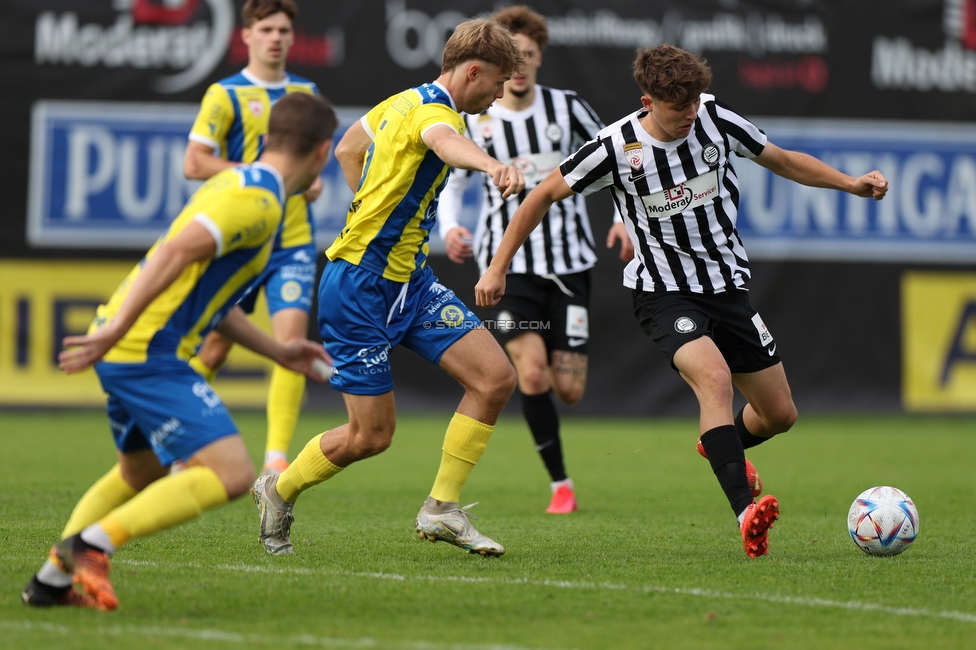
{"type": "Point", "coordinates": [255, 10]}
{"type": "Point", "coordinates": [485, 40]}
{"type": "Point", "coordinates": [521, 20]}
{"type": "Point", "coordinates": [299, 123]}
{"type": "Point", "coordinates": [670, 74]}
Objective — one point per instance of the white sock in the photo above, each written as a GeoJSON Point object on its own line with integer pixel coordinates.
{"type": "Point", "coordinates": [555, 485]}
{"type": "Point", "coordinates": [274, 455]}
{"type": "Point", "coordinates": [51, 574]}
{"type": "Point", "coordinates": [97, 537]}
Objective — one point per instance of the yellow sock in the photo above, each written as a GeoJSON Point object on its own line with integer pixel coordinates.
{"type": "Point", "coordinates": [284, 402]}
{"type": "Point", "coordinates": [167, 502]}
{"type": "Point", "coordinates": [311, 467]}
{"type": "Point", "coordinates": [203, 370]}
{"type": "Point", "coordinates": [107, 494]}
{"type": "Point", "coordinates": [464, 443]}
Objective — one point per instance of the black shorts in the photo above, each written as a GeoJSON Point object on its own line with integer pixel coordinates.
{"type": "Point", "coordinates": [672, 319]}
{"type": "Point", "coordinates": [533, 303]}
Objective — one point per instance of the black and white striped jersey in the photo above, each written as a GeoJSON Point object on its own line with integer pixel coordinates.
{"type": "Point", "coordinates": [535, 140]}
{"type": "Point", "coordinates": [678, 199]}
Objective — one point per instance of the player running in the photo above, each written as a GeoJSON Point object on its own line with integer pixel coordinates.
{"type": "Point", "coordinates": [669, 168]}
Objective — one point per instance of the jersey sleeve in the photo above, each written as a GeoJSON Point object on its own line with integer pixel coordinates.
{"type": "Point", "coordinates": [372, 120]}
{"type": "Point", "coordinates": [247, 218]}
{"type": "Point", "coordinates": [214, 119]}
{"type": "Point", "coordinates": [428, 116]}
{"type": "Point", "coordinates": [591, 168]}
{"type": "Point", "coordinates": [584, 121]}
{"type": "Point", "coordinates": [745, 138]}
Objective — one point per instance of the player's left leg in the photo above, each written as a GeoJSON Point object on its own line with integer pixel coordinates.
{"type": "Point", "coordinates": [478, 363]}
{"type": "Point", "coordinates": [285, 392]}
{"type": "Point", "coordinates": [770, 409]}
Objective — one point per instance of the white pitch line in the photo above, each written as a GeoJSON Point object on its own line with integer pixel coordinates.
{"type": "Point", "coordinates": [801, 601]}
{"type": "Point", "coordinates": [246, 640]}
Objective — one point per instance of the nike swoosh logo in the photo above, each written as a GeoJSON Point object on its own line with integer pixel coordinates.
{"type": "Point", "coordinates": [771, 351]}
{"type": "Point", "coordinates": [575, 343]}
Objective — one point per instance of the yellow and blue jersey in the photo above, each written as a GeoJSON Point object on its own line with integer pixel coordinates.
{"type": "Point", "coordinates": [242, 210]}
{"type": "Point", "coordinates": [395, 206]}
{"type": "Point", "coordinates": [233, 120]}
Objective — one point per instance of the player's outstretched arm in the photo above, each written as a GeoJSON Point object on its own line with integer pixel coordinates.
{"type": "Point", "coordinates": [807, 170]}
{"type": "Point", "coordinates": [459, 151]}
{"type": "Point", "coordinates": [299, 356]}
{"type": "Point", "coordinates": [351, 153]}
{"type": "Point", "coordinates": [200, 163]}
{"type": "Point", "coordinates": [491, 286]}
{"type": "Point", "coordinates": [193, 244]}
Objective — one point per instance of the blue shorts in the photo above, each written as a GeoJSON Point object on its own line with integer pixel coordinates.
{"type": "Point", "coordinates": [362, 316]}
{"type": "Point", "coordinates": [288, 280]}
{"type": "Point", "coordinates": [163, 405]}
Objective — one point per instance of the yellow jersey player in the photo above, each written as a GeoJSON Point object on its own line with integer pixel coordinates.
{"type": "Point", "coordinates": [160, 409]}
{"type": "Point", "coordinates": [381, 293]}
{"type": "Point", "coordinates": [232, 122]}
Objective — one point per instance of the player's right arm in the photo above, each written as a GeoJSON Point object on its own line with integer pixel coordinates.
{"type": "Point", "coordinates": [208, 134]}
{"type": "Point", "coordinates": [491, 286]}
{"type": "Point", "coordinates": [351, 153]}
{"type": "Point", "coordinates": [192, 244]}
{"type": "Point", "coordinates": [458, 151]}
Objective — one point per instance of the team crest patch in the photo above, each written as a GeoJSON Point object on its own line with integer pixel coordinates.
{"type": "Point", "coordinates": [634, 153]}
{"type": "Point", "coordinates": [685, 325]}
{"type": "Point", "coordinates": [484, 123]}
{"type": "Point", "coordinates": [710, 155]}
{"type": "Point", "coordinates": [256, 107]}
{"type": "Point", "coordinates": [291, 291]}
{"type": "Point", "coordinates": [554, 132]}
{"type": "Point", "coordinates": [452, 316]}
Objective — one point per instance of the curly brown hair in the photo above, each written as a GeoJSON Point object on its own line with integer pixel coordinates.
{"type": "Point", "coordinates": [483, 40]}
{"type": "Point", "coordinates": [670, 74]}
{"type": "Point", "coordinates": [522, 20]}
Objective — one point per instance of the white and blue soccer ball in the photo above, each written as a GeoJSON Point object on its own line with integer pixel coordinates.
{"type": "Point", "coordinates": [883, 521]}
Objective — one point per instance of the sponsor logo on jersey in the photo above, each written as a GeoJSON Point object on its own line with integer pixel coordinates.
{"type": "Point", "coordinates": [575, 343]}
{"type": "Point", "coordinates": [690, 194]}
{"type": "Point", "coordinates": [536, 166]}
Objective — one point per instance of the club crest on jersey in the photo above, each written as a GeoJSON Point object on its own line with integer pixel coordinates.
{"type": "Point", "coordinates": [554, 132]}
{"type": "Point", "coordinates": [484, 121]}
{"type": "Point", "coordinates": [634, 153]}
{"type": "Point", "coordinates": [256, 106]}
{"type": "Point", "coordinates": [710, 155]}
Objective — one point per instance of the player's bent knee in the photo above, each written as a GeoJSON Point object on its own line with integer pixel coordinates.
{"type": "Point", "coordinates": [238, 482]}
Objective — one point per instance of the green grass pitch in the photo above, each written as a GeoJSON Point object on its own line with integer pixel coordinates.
{"type": "Point", "coordinates": [652, 559]}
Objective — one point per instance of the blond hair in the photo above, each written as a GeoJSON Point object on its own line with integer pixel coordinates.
{"type": "Point", "coordinates": [482, 40]}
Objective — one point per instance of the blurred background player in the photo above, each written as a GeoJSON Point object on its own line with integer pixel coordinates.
{"type": "Point", "coordinates": [670, 165]}
{"type": "Point", "coordinates": [160, 409]}
{"type": "Point", "coordinates": [377, 290]}
{"type": "Point", "coordinates": [230, 130]}
{"type": "Point", "coordinates": [536, 127]}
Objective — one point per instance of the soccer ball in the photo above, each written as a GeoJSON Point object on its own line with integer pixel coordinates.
{"type": "Point", "coordinates": [883, 521]}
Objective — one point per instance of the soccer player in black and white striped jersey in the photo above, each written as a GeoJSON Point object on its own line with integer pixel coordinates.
{"type": "Point", "coordinates": [549, 278]}
{"type": "Point", "coordinates": [669, 169]}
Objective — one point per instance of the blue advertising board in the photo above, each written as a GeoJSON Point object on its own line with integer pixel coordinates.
{"type": "Point", "coordinates": [110, 175]}
{"type": "Point", "coordinates": [929, 214]}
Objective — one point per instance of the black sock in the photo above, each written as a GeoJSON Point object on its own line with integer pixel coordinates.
{"type": "Point", "coordinates": [728, 461]}
{"type": "Point", "coordinates": [540, 413]}
{"type": "Point", "coordinates": [748, 440]}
